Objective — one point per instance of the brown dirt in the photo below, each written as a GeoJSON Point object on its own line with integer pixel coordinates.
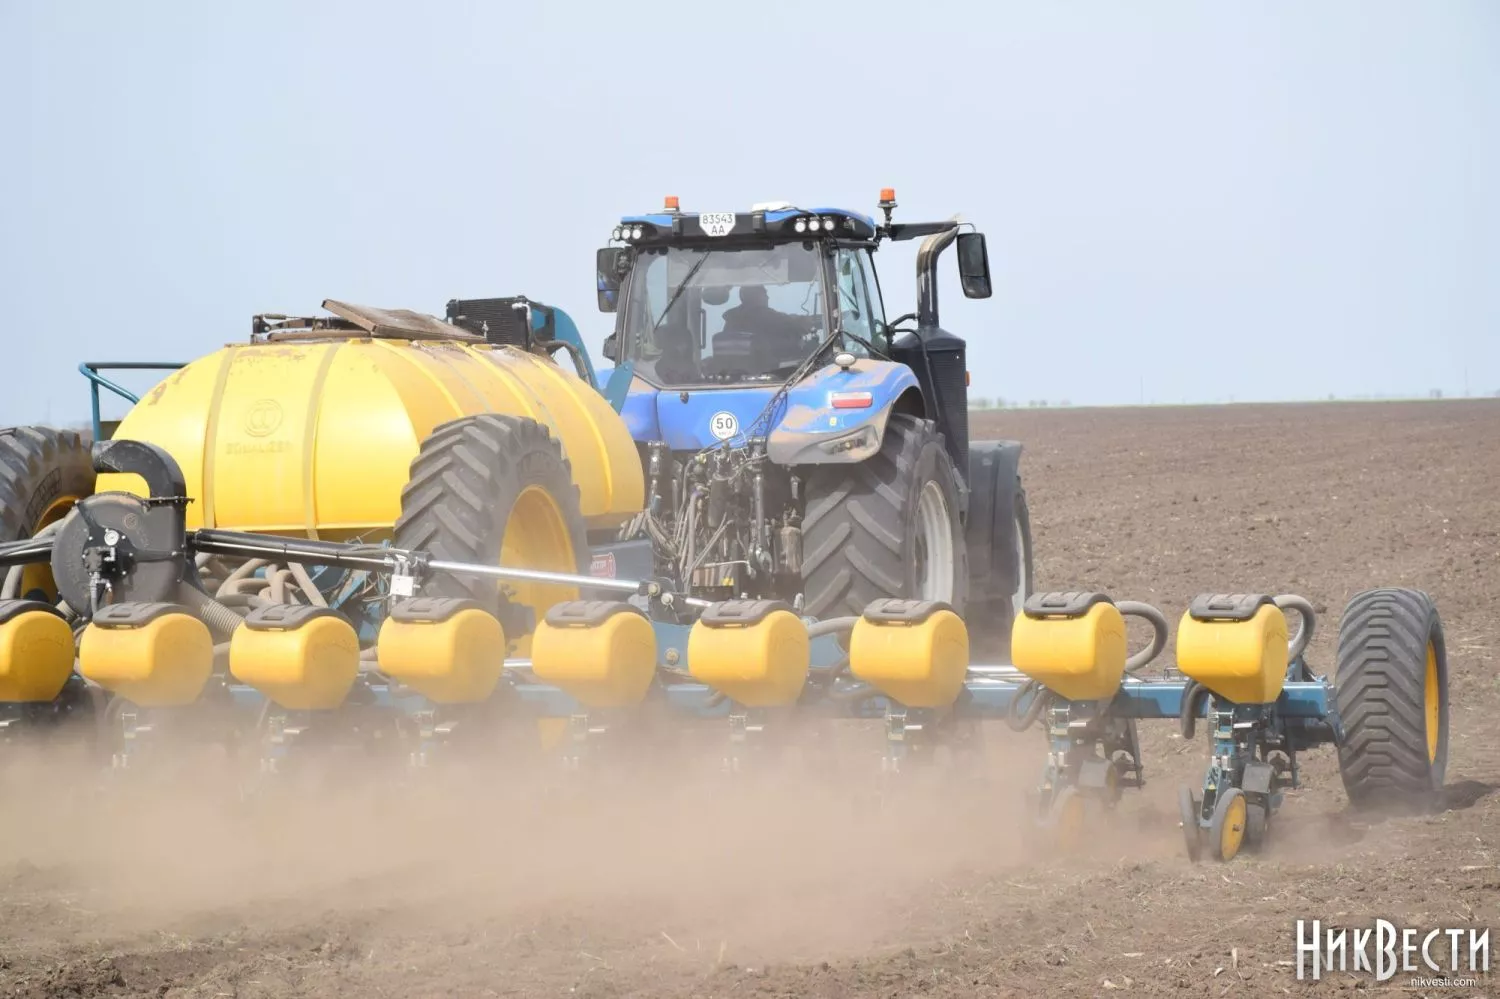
{"type": "Point", "coordinates": [649, 887]}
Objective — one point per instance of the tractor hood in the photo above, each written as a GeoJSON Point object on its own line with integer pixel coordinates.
{"type": "Point", "coordinates": [832, 415]}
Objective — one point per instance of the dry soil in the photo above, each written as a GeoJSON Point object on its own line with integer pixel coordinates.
{"type": "Point", "coordinates": [657, 883]}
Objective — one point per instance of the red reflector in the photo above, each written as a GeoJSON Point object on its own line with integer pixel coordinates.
{"type": "Point", "coordinates": [851, 400]}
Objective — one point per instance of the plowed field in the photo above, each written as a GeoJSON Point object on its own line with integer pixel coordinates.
{"type": "Point", "coordinates": [647, 887]}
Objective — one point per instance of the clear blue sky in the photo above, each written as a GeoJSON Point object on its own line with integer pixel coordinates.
{"type": "Point", "coordinates": [1190, 201]}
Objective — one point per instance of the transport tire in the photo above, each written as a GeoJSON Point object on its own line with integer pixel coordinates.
{"type": "Point", "coordinates": [1392, 698]}
{"type": "Point", "coordinates": [886, 527]}
{"type": "Point", "coordinates": [43, 474]}
{"type": "Point", "coordinates": [495, 490]}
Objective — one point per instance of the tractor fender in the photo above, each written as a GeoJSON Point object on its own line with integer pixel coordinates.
{"type": "Point", "coordinates": [839, 415]}
{"type": "Point", "coordinates": [994, 497]}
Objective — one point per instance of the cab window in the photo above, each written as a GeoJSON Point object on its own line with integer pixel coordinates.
{"type": "Point", "coordinates": [872, 289]}
{"type": "Point", "coordinates": [853, 298]}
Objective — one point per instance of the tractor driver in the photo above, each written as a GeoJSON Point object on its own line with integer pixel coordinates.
{"type": "Point", "coordinates": [780, 334]}
{"type": "Point", "coordinates": [678, 361]}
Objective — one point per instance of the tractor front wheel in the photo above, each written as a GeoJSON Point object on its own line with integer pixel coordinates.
{"type": "Point", "coordinates": [886, 527]}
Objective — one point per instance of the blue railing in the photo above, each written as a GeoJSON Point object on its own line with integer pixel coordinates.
{"type": "Point", "coordinates": [91, 369]}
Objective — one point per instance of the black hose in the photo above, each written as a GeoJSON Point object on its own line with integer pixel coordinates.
{"type": "Point", "coordinates": [1192, 692]}
{"type": "Point", "coordinates": [860, 692]}
{"type": "Point", "coordinates": [1159, 629]}
{"type": "Point", "coordinates": [832, 626]}
{"type": "Point", "coordinates": [1021, 722]}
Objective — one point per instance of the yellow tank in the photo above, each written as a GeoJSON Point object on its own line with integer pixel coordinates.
{"type": "Point", "coordinates": [315, 437]}
{"type": "Point", "coordinates": [302, 658]}
{"type": "Point", "coordinates": [601, 652]}
{"type": "Point", "coordinates": [153, 655]}
{"type": "Point", "coordinates": [36, 652]}
{"type": "Point", "coordinates": [1235, 645]}
{"type": "Point", "coordinates": [446, 649]}
{"type": "Point", "coordinates": [754, 651]}
{"type": "Point", "coordinates": [1074, 644]}
{"type": "Point", "coordinates": [915, 652]}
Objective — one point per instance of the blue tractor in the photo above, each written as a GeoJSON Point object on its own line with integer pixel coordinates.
{"type": "Point", "coordinates": [799, 445]}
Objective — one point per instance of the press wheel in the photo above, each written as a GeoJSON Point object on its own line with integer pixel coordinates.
{"type": "Point", "coordinates": [1226, 830]}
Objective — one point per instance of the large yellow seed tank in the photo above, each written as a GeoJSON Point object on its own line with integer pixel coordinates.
{"type": "Point", "coordinates": [315, 437]}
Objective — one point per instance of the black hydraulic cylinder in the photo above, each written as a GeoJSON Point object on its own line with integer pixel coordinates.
{"type": "Point", "coordinates": [243, 544]}
{"type": "Point", "coordinates": [26, 551]}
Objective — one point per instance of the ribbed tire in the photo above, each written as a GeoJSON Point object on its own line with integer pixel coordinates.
{"type": "Point", "coordinates": [1382, 695]}
{"type": "Point", "coordinates": [991, 622]}
{"type": "Point", "coordinates": [465, 481]}
{"type": "Point", "coordinates": [38, 467]}
{"type": "Point", "coordinates": [859, 531]}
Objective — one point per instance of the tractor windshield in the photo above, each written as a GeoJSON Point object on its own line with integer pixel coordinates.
{"type": "Point", "coordinates": [736, 315]}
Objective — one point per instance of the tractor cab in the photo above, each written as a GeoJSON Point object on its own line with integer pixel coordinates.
{"type": "Point", "coordinates": [737, 309]}
{"type": "Point", "coordinates": [739, 299]}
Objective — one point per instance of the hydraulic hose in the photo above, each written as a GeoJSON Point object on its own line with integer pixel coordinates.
{"type": "Point", "coordinates": [862, 692]}
{"type": "Point", "coordinates": [1158, 620]}
{"type": "Point", "coordinates": [831, 626]}
{"type": "Point", "coordinates": [12, 586]}
{"type": "Point", "coordinates": [1193, 693]}
{"type": "Point", "coordinates": [1021, 721]}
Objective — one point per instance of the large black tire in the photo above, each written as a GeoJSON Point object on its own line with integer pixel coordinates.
{"type": "Point", "coordinates": [1390, 756]}
{"type": "Point", "coordinates": [992, 619]}
{"type": "Point", "coordinates": [465, 482]}
{"type": "Point", "coordinates": [860, 536]}
{"type": "Point", "coordinates": [39, 467]}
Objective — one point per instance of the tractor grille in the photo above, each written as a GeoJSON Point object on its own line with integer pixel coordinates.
{"type": "Point", "coordinates": [495, 319]}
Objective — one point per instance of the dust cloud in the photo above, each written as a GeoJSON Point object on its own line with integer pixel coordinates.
{"type": "Point", "coordinates": [799, 856]}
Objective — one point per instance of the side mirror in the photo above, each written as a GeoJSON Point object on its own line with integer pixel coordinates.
{"type": "Point", "coordinates": [612, 263]}
{"type": "Point", "coordinates": [973, 265]}
{"type": "Point", "coordinates": [611, 348]}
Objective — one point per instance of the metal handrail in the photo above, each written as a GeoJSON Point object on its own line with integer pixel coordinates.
{"type": "Point", "coordinates": [91, 369]}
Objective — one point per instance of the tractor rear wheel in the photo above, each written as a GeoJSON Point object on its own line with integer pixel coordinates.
{"type": "Point", "coordinates": [1392, 699]}
{"type": "Point", "coordinates": [43, 474]}
{"type": "Point", "coordinates": [886, 527]}
{"type": "Point", "coordinates": [992, 618]}
{"type": "Point", "coordinates": [495, 490]}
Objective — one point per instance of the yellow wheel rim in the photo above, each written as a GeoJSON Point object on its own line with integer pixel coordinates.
{"type": "Point", "coordinates": [1233, 834]}
{"type": "Point", "coordinates": [1434, 704]}
{"type": "Point", "coordinates": [38, 575]}
{"type": "Point", "coordinates": [537, 537]}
